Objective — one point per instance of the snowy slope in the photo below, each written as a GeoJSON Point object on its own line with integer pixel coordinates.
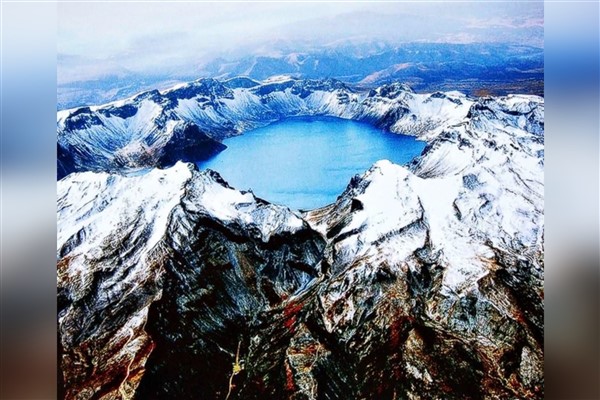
{"type": "Point", "coordinates": [477, 188]}
{"type": "Point", "coordinates": [455, 240]}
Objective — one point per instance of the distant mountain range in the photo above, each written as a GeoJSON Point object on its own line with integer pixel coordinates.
{"type": "Point", "coordinates": [418, 64]}
{"type": "Point", "coordinates": [476, 69]}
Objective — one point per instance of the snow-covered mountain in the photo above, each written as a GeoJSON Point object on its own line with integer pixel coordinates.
{"type": "Point", "coordinates": [424, 65]}
{"type": "Point", "coordinates": [186, 122]}
{"type": "Point", "coordinates": [423, 280]}
{"type": "Point", "coordinates": [428, 67]}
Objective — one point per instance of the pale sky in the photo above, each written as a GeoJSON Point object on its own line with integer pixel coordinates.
{"type": "Point", "coordinates": [158, 36]}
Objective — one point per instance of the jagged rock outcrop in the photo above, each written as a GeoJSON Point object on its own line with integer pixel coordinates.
{"type": "Point", "coordinates": [419, 282]}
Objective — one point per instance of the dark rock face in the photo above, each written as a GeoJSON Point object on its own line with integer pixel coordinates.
{"type": "Point", "coordinates": [160, 313]}
{"type": "Point", "coordinates": [218, 280]}
{"type": "Point", "coordinates": [188, 144]}
{"type": "Point", "coordinates": [124, 112]}
{"type": "Point", "coordinates": [209, 88]}
{"type": "Point", "coordinates": [80, 119]}
{"type": "Point", "coordinates": [270, 87]}
{"type": "Point", "coordinates": [307, 87]}
{"type": "Point", "coordinates": [65, 164]}
{"type": "Point", "coordinates": [240, 82]}
{"type": "Point", "coordinates": [391, 91]}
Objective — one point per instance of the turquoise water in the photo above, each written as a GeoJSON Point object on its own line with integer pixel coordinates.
{"type": "Point", "coordinates": [305, 163]}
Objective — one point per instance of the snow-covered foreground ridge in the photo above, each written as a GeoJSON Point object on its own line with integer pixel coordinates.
{"type": "Point", "coordinates": [423, 279]}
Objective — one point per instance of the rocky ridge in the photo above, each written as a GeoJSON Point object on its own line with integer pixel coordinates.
{"type": "Point", "coordinates": [187, 122]}
{"type": "Point", "coordinates": [420, 281]}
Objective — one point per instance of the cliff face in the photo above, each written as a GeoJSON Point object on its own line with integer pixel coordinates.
{"type": "Point", "coordinates": [424, 281]}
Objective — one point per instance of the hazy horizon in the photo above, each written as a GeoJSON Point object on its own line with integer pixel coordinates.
{"type": "Point", "coordinates": [100, 39]}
